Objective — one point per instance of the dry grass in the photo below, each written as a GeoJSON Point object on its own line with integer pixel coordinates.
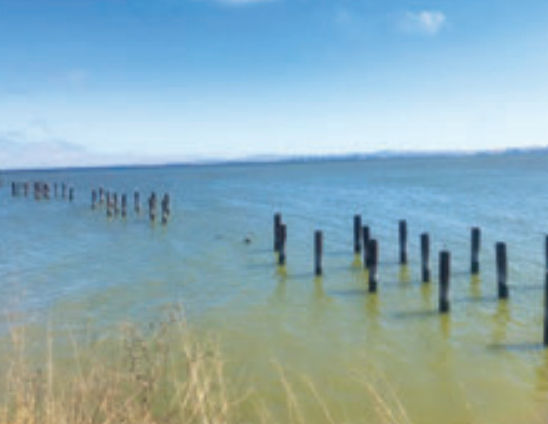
{"type": "Point", "coordinates": [168, 375]}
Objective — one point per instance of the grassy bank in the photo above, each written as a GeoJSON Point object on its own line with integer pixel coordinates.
{"type": "Point", "coordinates": [169, 374]}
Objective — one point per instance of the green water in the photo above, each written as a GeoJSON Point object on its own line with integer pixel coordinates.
{"type": "Point", "coordinates": [68, 265]}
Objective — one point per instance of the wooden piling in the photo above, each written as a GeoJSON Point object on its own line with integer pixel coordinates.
{"type": "Point", "coordinates": [71, 194]}
{"type": "Point", "coordinates": [45, 190]}
{"type": "Point", "coordinates": [13, 189]}
{"type": "Point", "coordinates": [109, 204]}
{"type": "Point", "coordinates": [444, 277]}
{"type": "Point", "coordinates": [136, 202]}
{"type": "Point", "coordinates": [165, 208]}
{"type": "Point", "coordinates": [357, 233]}
{"type": "Point", "coordinates": [123, 202]}
{"type": "Point", "coordinates": [425, 257]}
{"type": "Point", "coordinates": [366, 236]}
{"type": "Point", "coordinates": [502, 270]}
{"type": "Point", "coordinates": [283, 239]}
{"type": "Point", "coordinates": [545, 340]}
{"type": "Point", "coordinates": [55, 189]}
{"type": "Point", "coordinates": [63, 191]}
{"type": "Point", "coordinates": [277, 225]}
{"type": "Point", "coordinates": [403, 241]}
{"type": "Point", "coordinates": [475, 249]}
{"type": "Point", "coordinates": [318, 247]}
{"type": "Point", "coordinates": [115, 203]}
{"type": "Point", "coordinates": [26, 188]}
{"type": "Point", "coordinates": [152, 207]}
{"type": "Point", "coordinates": [93, 198]}
{"type": "Point", "coordinates": [373, 260]}
{"type": "Point", "coordinates": [101, 195]}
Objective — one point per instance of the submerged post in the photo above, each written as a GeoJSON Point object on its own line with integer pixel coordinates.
{"type": "Point", "coordinates": [366, 236]}
{"type": "Point", "coordinates": [71, 194]}
{"type": "Point", "coordinates": [475, 249]}
{"type": "Point", "coordinates": [283, 238]}
{"type": "Point", "coordinates": [444, 276]}
{"type": "Point", "coordinates": [277, 224]}
{"type": "Point", "coordinates": [26, 188]}
{"type": "Point", "coordinates": [55, 190]}
{"type": "Point", "coordinates": [502, 270]}
{"type": "Point", "coordinates": [45, 189]}
{"type": "Point", "coordinates": [124, 205]}
{"type": "Point", "coordinates": [403, 241]}
{"type": "Point", "coordinates": [425, 257]}
{"type": "Point", "coordinates": [136, 202]}
{"type": "Point", "coordinates": [318, 241]}
{"type": "Point", "coordinates": [357, 231]}
{"type": "Point", "coordinates": [13, 189]}
{"type": "Point", "coordinates": [93, 198]}
{"type": "Point", "coordinates": [63, 190]}
{"type": "Point", "coordinates": [373, 260]}
{"type": "Point", "coordinates": [101, 195]}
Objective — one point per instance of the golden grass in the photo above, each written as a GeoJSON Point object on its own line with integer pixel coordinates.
{"type": "Point", "coordinates": [166, 375]}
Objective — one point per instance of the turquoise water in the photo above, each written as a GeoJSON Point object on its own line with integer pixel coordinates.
{"type": "Point", "coordinates": [69, 265]}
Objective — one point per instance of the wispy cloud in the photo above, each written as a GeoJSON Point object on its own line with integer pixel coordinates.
{"type": "Point", "coordinates": [428, 22]}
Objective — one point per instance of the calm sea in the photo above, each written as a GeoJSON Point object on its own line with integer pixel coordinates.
{"type": "Point", "coordinates": [65, 264]}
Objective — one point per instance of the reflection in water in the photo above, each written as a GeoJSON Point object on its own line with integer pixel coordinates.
{"type": "Point", "coordinates": [404, 275]}
{"type": "Point", "coordinates": [281, 287]}
{"type": "Point", "coordinates": [319, 293]}
{"type": "Point", "coordinates": [500, 322]}
{"type": "Point", "coordinates": [426, 294]}
{"type": "Point", "coordinates": [475, 286]}
{"type": "Point", "coordinates": [372, 307]}
{"type": "Point", "coordinates": [357, 262]}
{"type": "Point", "coordinates": [445, 325]}
{"type": "Point", "coordinates": [542, 376]}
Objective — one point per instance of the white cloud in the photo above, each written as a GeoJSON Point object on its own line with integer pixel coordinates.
{"type": "Point", "coordinates": [428, 22]}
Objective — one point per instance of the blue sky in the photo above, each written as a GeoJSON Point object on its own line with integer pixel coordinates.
{"type": "Point", "coordinates": [139, 80]}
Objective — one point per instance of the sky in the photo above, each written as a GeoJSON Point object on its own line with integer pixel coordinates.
{"type": "Point", "coordinates": [121, 81]}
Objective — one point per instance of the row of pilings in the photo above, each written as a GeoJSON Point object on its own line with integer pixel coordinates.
{"type": "Point", "coordinates": [42, 190]}
{"type": "Point", "coordinates": [369, 248]}
{"type": "Point", "coordinates": [118, 206]}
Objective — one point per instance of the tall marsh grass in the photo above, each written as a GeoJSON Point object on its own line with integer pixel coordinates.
{"type": "Point", "coordinates": [169, 374]}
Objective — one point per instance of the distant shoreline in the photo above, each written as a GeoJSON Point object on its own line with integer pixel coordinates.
{"type": "Point", "coordinates": [293, 159]}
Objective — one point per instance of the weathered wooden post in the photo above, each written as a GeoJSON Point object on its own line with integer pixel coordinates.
{"type": "Point", "coordinates": [373, 260]}
{"type": "Point", "coordinates": [63, 191]}
{"type": "Point", "coordinates": [26, 188]}
{"type": "Point", "coordinates": [123, 201]}
{"type": "Point", "coordinates": [136, 202]}
{"type": "Point", "coordinates": [277, 224]}
{"type": "Point", "coordinates": [425, 257]}
{"type": "Point", "coordinates": [36, 187]}
{"type": "Point", "coordinates": [115, 203]}
{"type": "Point", "coordinates": [165, 208]}
{"type": "Point", "coordinates": [403, 241]}
{"type": "Point", "coordinates": [101, 195]}
{"type": "Point", "coordinates": [71, 194]}
{"type": "Point", "coordinates": [475, 249]}
{"type": "Point", "coordinates": [45, 189]}
{"type": "Point", "coordinates": [283, 239]}
{"type": "Point", "coordinates": [318, 241]}
{"type": "Point", "coordinates": [109, 205]}
{"type": "Point", "coordinates": [444, 276]}
{"type": "Point", "coordinates": [366, 236]}
{"type": "Point", "coordinates": [502, 270]}
{"type": "Point", "coordinates": [152, 206]}
{"type": "Point", "coordinates": [93, 198]}
{"type": "Point", "coordinates": [13, 189]}
{"type": "Point", "coordinates": [357, 233]}
{"type": "Point", "coordinates": [55, 189]}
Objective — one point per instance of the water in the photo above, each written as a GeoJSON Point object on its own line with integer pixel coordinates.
{"type": "Point", "coordinates": [68, 265]}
